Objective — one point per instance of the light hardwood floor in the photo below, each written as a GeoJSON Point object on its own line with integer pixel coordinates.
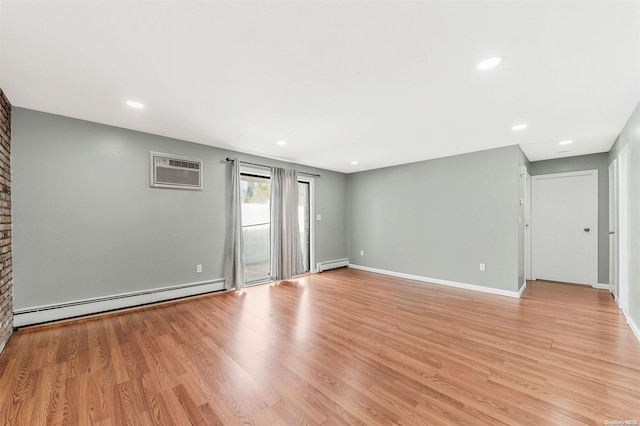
{"type": "Point", "coordinates": [341, 347]}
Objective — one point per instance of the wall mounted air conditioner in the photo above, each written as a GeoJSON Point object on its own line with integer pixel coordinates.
{"type": "Point", "coordinates": [171, 171]}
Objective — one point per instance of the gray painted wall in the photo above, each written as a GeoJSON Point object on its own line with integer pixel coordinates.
{"type": "Point", "coordinates": [630, 137]}
{"type": "Point", "coordinates": [87, 224]}
{"type": "Point", "coordinates": [587, 162]}
{"type": "Point", "coordinates": [440, 218]}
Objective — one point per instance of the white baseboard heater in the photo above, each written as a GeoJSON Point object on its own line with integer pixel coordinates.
{"type": "Point", "coordinates": [76, 308]}
{"type": "Point", "coordinates": [332, 264]}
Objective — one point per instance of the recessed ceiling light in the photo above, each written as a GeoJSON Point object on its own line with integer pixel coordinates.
{"type": "Point", "coordinates": [354, 162]}
{"type": "Point", "coordinates": [134, 104]}
{"type": "Point", "coordinates": [489, 63]}
{"type": "Point", "coordinates": [281, 142]}
{"type": "Point", "coordinates": [519, 127]}
{"type": "Point", "coordinates": [565, 142]}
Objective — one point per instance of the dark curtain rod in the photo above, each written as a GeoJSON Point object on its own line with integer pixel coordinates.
{"type": "Point", "coordinates": [263, 165]}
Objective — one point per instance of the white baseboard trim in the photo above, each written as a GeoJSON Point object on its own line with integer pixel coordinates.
{"type": "Point", "coordinates": [332, 264]}
{"type": "Point", "coordinates": [600, 286]}
{"type": "Point", "coordinates": [522, 289]}
{"type": "Point", "coordinates": [58, 311]}
{"type": "Point", "coordinates": [632, 325]}
{"type": "Point", "coordinates": [465, 286]}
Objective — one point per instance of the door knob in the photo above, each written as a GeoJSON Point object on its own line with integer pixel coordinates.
{"type": "Point", "coordinates": [587, 229]}
{"type": "Point", "coordinates": [611, 232]}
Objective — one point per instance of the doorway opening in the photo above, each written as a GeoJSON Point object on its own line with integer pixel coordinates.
{"type": "Point", "coordinates": [565, 227]}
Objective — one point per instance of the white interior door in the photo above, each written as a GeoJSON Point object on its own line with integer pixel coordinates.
{"type": "Point", "coordinates": [613, 228]}
{"type": "Point", "coordinates": [623, 228]}
{"type": "Point", "coordinates": [527, 227]}
{"type": "Point", "coordinates": [565, 227]}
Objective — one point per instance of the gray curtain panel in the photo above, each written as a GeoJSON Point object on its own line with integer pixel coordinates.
{"type": "Point", "coordinates": [286, 252]}
{"type": "Point", "coordinates": [235, 275]}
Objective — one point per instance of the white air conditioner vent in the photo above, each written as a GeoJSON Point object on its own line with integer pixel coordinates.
{"type": "Point", "coordinates": [170, 171]}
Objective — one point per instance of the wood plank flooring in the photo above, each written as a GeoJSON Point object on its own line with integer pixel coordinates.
{"type": "Point", "coordinates": [341, 347]}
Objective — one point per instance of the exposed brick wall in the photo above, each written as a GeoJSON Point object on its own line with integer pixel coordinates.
{"type": "Point", "coordinates": [6, 258]}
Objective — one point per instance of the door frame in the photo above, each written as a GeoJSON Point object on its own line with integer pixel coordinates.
{"type": "Point", "coordinates": [593, 267]}
{"type": "Point", "coordinates": [623, 228]}
{"type": "Point", "coordinates": [613, 228]}
{"type": "Point", "coordinates": [528, 274]}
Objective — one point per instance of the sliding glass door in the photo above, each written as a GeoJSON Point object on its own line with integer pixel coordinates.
{"type": "Point", "coordinates": [256, 224]}
{"type": "Point", "coordinates": [304, 222]}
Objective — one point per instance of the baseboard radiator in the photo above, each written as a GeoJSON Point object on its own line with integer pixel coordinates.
{"type": "Point", "coordinates": [332, 264]}
{"type": "Point", "coordinates": [76, 308]}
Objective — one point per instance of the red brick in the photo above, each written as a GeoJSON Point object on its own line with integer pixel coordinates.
{"type": "Point", "coordinates": [6, 261]}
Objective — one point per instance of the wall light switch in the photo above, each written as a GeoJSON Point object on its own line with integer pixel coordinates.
{"type": "Point", "coordinates": [483, 267]}
{"type": "Point", "coordinates": [361, 252]}
{"type": "Point", "coordinates": [318, 217]}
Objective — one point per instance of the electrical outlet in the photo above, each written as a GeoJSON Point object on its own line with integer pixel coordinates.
{"type": "Point", "coordinates": [361, 252]}
{"type": "Point", "coordinates": [198, 269]}
{"type": "Point", "coordinates": [483, 267]}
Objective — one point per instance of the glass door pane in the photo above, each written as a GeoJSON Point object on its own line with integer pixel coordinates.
{"type": "Point", "coordinates": [304, 222]}
{"type": "Point", "coordinates": [256, 226]}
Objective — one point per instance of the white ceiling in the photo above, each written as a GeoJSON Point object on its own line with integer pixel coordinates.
{"type": "Point", "coordinates": [380, 82]}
